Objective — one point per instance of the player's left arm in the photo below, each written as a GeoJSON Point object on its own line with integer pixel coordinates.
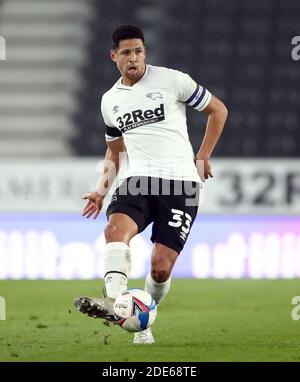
{"type": "Point", "coordinates": [217, 115]}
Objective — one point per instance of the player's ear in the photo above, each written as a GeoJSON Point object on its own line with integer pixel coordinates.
{"type": "Point", "coordinates": [113, 55]}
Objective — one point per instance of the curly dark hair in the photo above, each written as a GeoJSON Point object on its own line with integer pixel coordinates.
{"type": "Point", "coordinates": [124, 32]}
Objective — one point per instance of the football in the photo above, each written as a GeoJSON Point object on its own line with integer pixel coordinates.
{"type": "Point", "coordinates": [135, 310]}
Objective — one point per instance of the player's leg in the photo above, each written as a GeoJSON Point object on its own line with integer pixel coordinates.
{"type": "Point", "coordinates": [158, 282]}
{"type": "Point", "coordinates": [117, 262]}
{"type": "Point", "coordinates": [173, 221]}
{"type": "Point", "coordinates": [127, 215]}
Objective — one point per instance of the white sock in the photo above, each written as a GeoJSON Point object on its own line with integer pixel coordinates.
{"type": "Point", "coordinates": [117, 263]}
{"type": "Point", "coordinates": [157, 290]}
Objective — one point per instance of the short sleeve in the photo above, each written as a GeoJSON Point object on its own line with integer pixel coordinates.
{"type": "Point", "coordinates": [191, 93]}
{"type": "Point", "coordinates": [111, 132]}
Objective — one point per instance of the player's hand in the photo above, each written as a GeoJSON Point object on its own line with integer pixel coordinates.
{"type": "Point", "coordinates": [204, 169]}
{"type": "Point", "coordinates": [94, 204]}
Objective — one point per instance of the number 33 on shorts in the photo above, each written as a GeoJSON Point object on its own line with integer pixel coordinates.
{"type": "Point", "coordinates": [177, 222]}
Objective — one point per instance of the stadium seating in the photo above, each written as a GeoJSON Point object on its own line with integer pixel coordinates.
{"type": "Point", "coordinates": [45, 41]}
{"type": "Point", "coordinates": [241, 51]}
{"type": "Point", "coordinates": [58, 67]}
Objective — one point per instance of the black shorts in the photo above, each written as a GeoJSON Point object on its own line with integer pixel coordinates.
{"type": "Point", "coordinates": [171, 205]}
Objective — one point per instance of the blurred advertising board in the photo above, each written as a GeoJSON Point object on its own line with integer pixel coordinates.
{"type": "Point", "coordinates": [69, 246]}
{"type": "Point", "coordinates": [239, 186]}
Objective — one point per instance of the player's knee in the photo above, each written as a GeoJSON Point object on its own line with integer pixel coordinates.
{"type": "Point", "coordinates": [160, 274]}
{"type": "Point", "coordinates": [163, 261]}
{"type": "Point", "coordinates": [111, 232]}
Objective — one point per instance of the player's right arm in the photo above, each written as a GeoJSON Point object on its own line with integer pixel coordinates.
{"type": "Point", "coordinates": [112, 162]}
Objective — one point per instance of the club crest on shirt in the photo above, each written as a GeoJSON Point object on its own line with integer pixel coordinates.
{"type": "Point", "coordinates": [154, 96]}
{"type": "Point", "coordinates": [115, 109]}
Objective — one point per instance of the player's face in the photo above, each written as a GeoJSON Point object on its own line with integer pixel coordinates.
{"type": "Point", "coordinates": [130, 59]}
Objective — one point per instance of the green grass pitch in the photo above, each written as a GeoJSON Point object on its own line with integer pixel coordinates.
{"type": "Point", "coordinates": [200, 320]}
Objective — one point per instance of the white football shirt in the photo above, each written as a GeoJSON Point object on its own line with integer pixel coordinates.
{"type": "Point", "coordinates": [151, 118]}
